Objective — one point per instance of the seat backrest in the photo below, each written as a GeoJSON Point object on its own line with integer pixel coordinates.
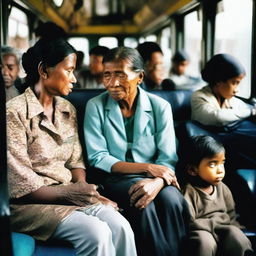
{"type": "Point", "coordinates": [179, 100]}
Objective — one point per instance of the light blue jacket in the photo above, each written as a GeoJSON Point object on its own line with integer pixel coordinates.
{"type": "Point", "coordinates": [153, 140]}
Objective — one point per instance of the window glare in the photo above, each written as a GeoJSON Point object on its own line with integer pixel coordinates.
{"type": "Point", "coordinates": [81, 44]}
{"type": "Point", "coordinates": [109, 42]}
{"type": "Point", "coordinates": [165, 46]}
{"type": "Point", "coordinates": [236, 40]}
{"type": "Point", "coordinates": [130, 42]}
{"type": "Point", "coordinates": [193, 38]}
{"type": "Point", "coordinates": [18, 30]}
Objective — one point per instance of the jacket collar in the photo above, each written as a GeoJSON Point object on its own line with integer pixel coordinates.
{"type": "Point", "coordinates": [142, 114]}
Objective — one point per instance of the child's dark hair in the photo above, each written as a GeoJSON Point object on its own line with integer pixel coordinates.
{"type": "Point", "coordinates": [48, 53]}
{"type": "Point", "coordinates": [194, 151]}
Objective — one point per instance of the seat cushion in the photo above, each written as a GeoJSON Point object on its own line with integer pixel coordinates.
{"type": "Point", "coordinates": [22, 244]}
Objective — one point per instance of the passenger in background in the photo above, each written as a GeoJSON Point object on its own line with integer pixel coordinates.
{"type": "Point", "coordinates": [10, 70]}
{"type": "Point", "coordinates": [92, 77]}
{"type": "Point", "coordinates": [153, 64]}
{"type": "Point", "coordinates": [214, 229]}
{"type": "Point", "coordinates": [216, 107]}
{"type": "Point", "coordinates": [129, 134]}
{"type": "Point", "coordinates": [50, 198]}
{"type": "Point", "coordinates": [179, 79]}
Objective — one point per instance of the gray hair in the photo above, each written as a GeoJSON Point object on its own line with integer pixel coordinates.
{"type": "Point", "coordinates": [7, 50]}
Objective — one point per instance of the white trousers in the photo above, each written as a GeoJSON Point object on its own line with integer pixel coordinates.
{"type": "Point", "coordinates": [97, 231]}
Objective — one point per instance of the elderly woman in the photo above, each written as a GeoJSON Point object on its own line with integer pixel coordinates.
{"type": "Point", "coordinates": [50, 198]}
{"type": "Point", "coordinates": [129, 134]}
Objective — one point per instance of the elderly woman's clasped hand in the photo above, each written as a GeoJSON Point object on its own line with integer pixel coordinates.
{"type": "Point", "coordinates": [145, 191]}
{"type": "Point", "coordinates": [167, 174]}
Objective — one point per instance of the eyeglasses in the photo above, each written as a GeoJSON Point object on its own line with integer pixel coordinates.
{"type": "Point", "coordinates": [120, 76]}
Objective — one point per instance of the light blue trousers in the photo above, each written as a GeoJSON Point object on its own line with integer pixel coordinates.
{"type": "Point", "coordinates": [97, 231]}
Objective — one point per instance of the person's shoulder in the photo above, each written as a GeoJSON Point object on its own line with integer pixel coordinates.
{"type": "Point", "coordinates": [64, 102]}
{"type": "Point", "coordinates": [189, 191]}
{"type": "Point", "coordinates": [222, 186]}
{"type": "Point", "coordinates": [204, 91]}
{"type": "Point", "coordinates": [101, 98]}
{"type": "Point", "coordinates": [14, 104]}
{"type": "Point", "coordinates": [223, 189]}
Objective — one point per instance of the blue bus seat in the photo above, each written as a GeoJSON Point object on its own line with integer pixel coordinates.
{"type": "Point", "coordinates": [23, 245]}
{"type": "Point", "coordinates": [54, 248]}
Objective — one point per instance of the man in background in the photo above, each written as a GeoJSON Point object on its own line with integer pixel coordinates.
{"type": "Point", "coordinates": [10, 70]}
{"type": "Point", "coordinates": [92, 77]}
{"type": "Point", "coordinates": [179, 78]}
{"type": "Point", "coordinates": [154, 65]}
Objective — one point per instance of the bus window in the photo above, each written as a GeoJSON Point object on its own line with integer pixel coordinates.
{"type": "Point", "coordinates": [109, 42]}
{"type": "Point", "coordinates": [130, 42]}
{"type": "Point", "coordinates": [18, 30]}
{"type": "Point", "coordinates": [151, 38]}
{"type": "Point", "coordinates": [165, 46]}
{"type": "Point", "coordinates": [81, 44]}
{"type": "Point", "coordinates": [236, 39]}
{"type": "Point", "coordinates": [193, 39]}
{"type": "Point", "coordinates": [102, 7]}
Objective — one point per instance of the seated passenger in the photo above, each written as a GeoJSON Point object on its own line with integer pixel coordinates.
{"type": "Point", "coordinates": [50, 198]}
{"type": "Point", "coordinates": [129, 134]}
{"type": "Point", "coordinates": [154, 65]}
{"type": "Point", "coordinates": [178, 74]}
{"type": "Point", "coordinates": [10, 71]}
{"type": "Point", "coordinates": [215, 105]}
{"type": "Point", "coordinates": [92, 78]}
{"type": "Point", "coordinates": [214, 229]}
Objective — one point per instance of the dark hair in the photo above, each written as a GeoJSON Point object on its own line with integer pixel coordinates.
{"type": "Point", "coordinates": [125, 53]}
{"type": "Point", "coordinates": [179, 56]}
{"type": "Point", "coordinates": [193, 152]}
{"type": "Point", "coordinates": [49, 30]}
{"type": "Point", "coordinates": [99, 50]}
{"type": "Point", "coordinates": [49, 53]}
{"type": "Point", "coordinates": [147, 48]}
{"type": "Point", "coordinates": [200, 147]}
{"type": "Point", "coordinates": [220, 68]}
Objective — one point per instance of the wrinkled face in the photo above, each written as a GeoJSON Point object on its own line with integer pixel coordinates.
{"type": "Point", "coordinates": [10, 69]}
{"type": "Point", "coordinates": [119, 79]}
{"type": "Point", "coordinates": [59, 79]}
{"type": "Point", "coordinates": [96, 66]}
{"type": "Point", "coordinates": [155, 68]}
{"type": "Point", "coordinates": [180, 67]}
{"type": "Point", "coordinates": [229, 88]}
{"type": "Point", "coordinates": [212, 169]}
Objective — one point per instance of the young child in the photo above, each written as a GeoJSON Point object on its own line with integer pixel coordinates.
{"type": "Point", "coordinates": [213, 225]}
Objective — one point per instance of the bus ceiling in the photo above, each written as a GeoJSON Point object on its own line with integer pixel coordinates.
{"type": "Point", "coordinates": [105, 16]}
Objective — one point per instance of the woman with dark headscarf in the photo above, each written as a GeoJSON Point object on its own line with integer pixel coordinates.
{"type": "Point", "coordinates": [215, 103]}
